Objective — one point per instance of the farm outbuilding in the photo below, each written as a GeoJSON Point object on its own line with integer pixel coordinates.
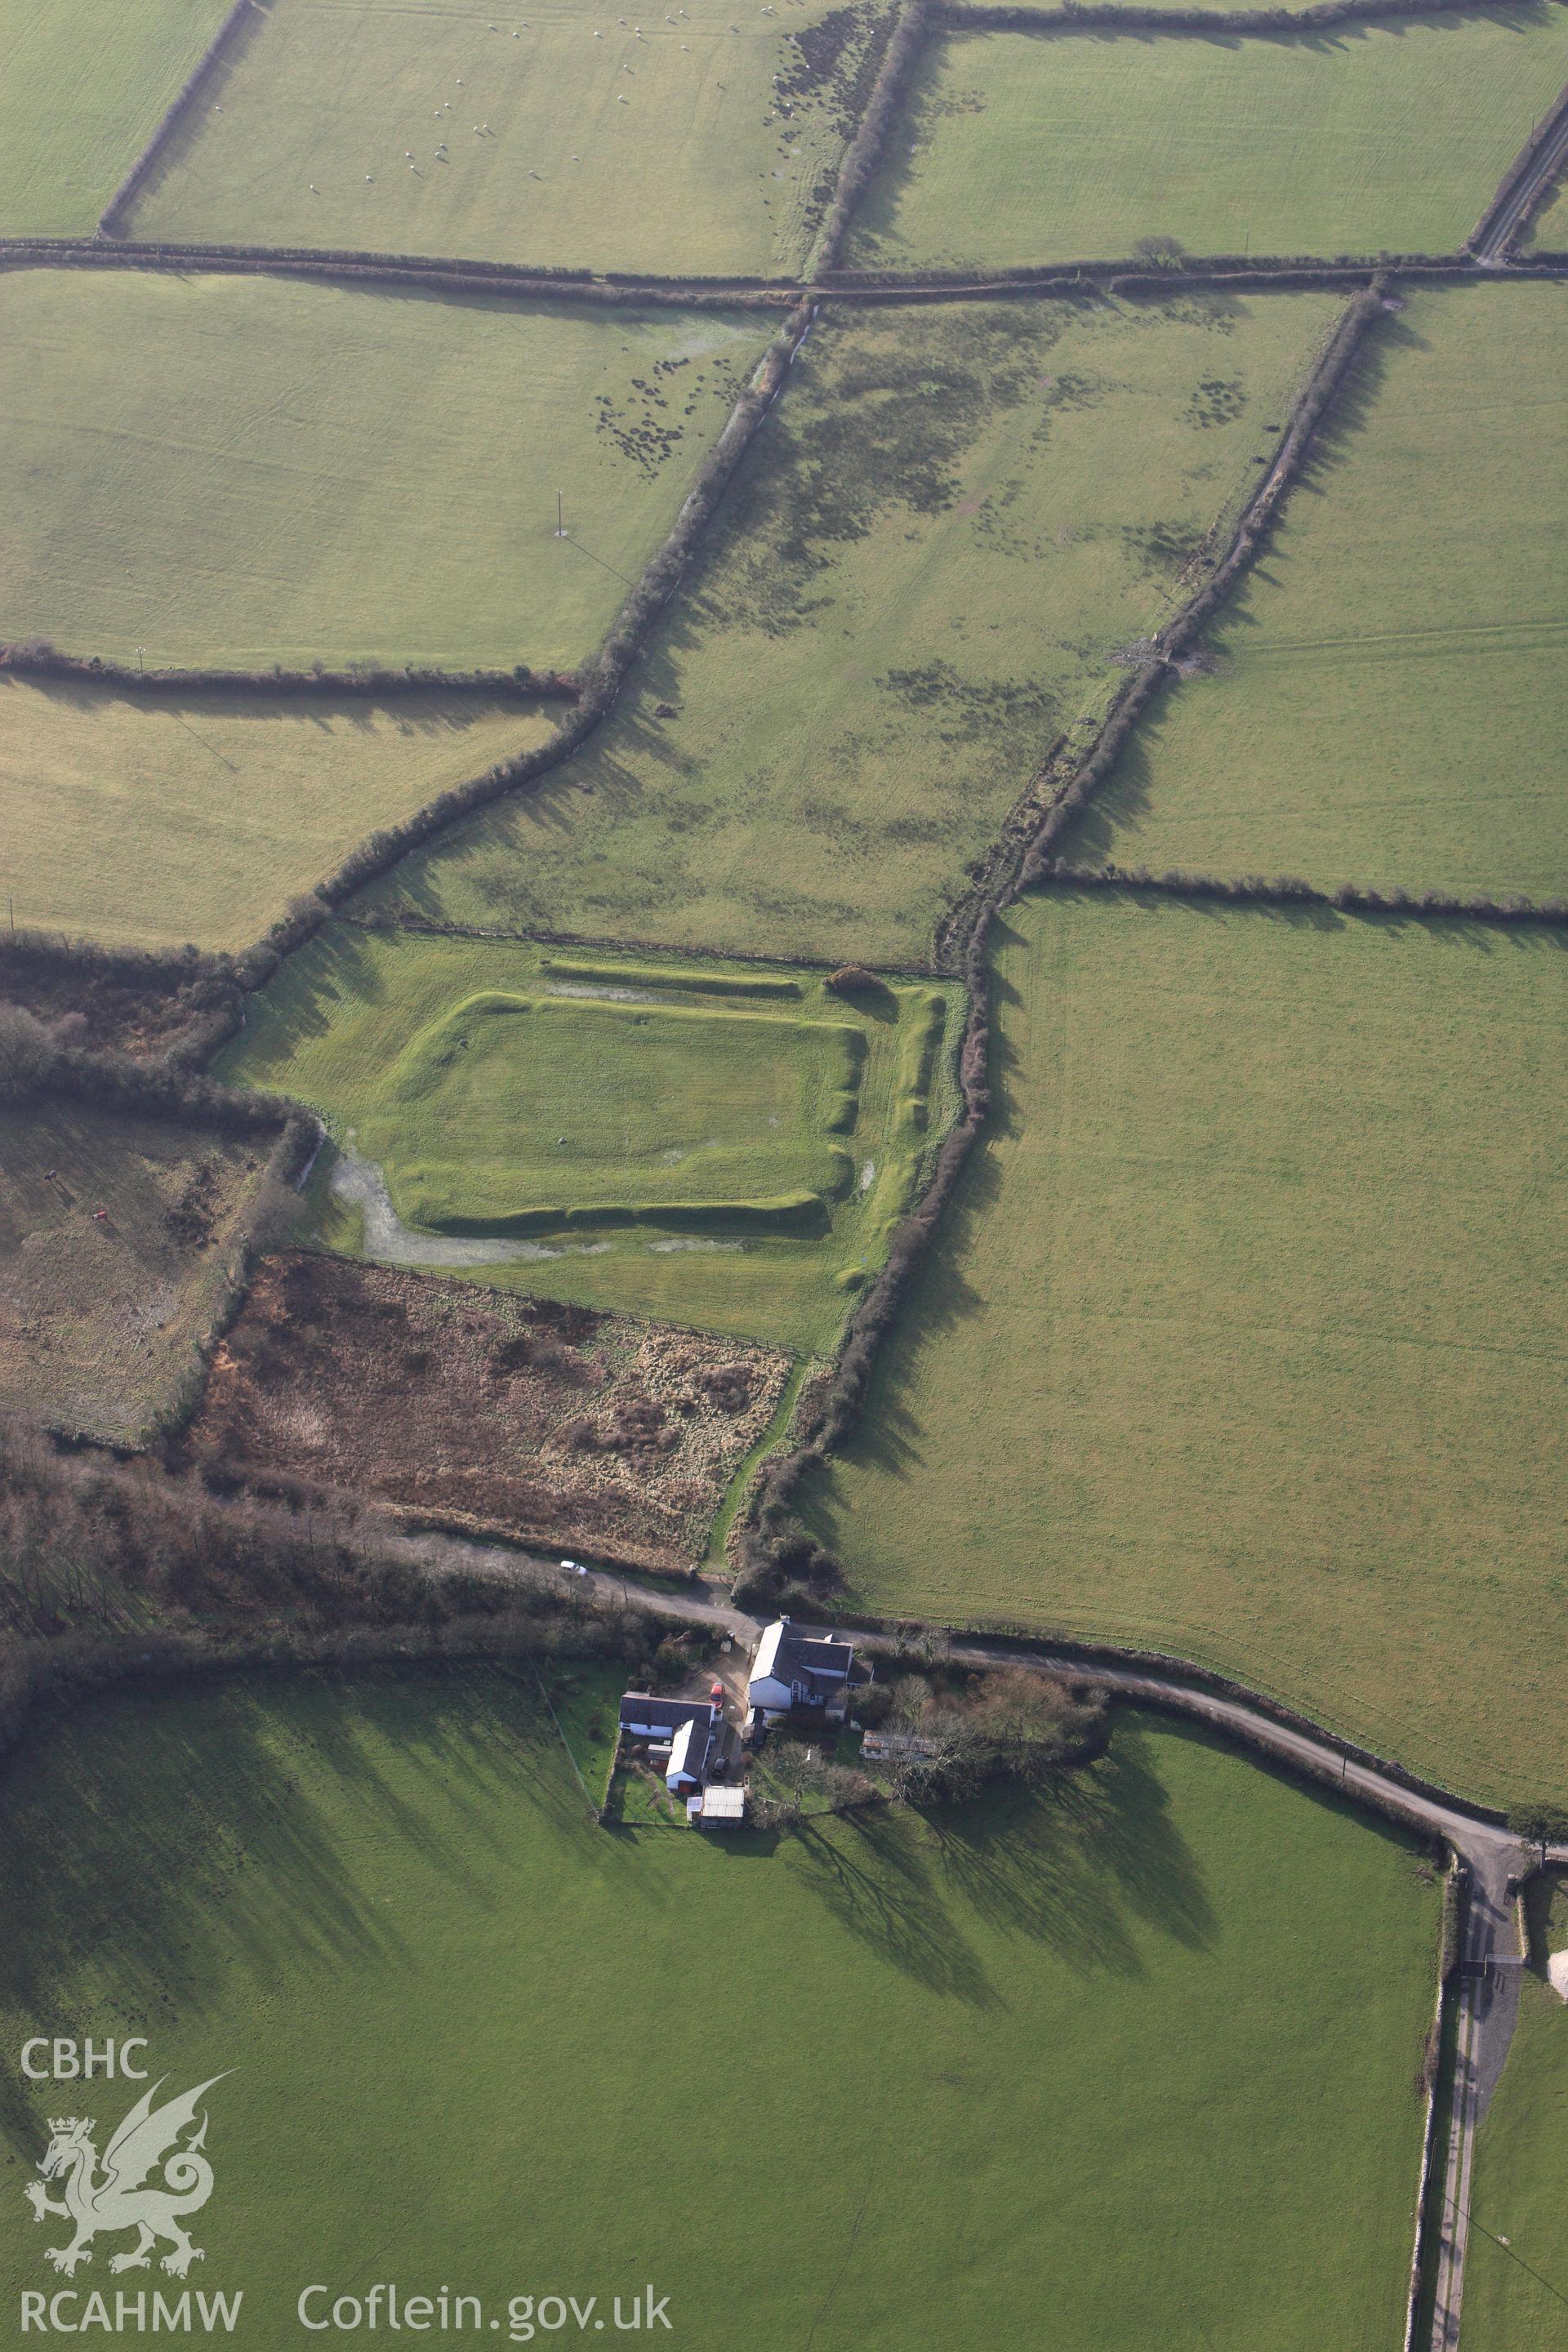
{"type": "Point", "coordinates": [719, 1809]}
{"type": "Point", "coordinates": [685, 1733]}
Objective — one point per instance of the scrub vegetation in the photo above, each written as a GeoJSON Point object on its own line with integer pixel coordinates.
{"type": "Point", "coordinates": [406, 1869]}
{"type": "Point", "coordinates": [100, 1313]}
{"type": "Point", "coordinates": [234, 472]}
{"type": "Point", "coordinates": [1247, 1341]}
{"type": "Point", "coordinates": [1029, 147]}
{"type": "Point", "coordinates": [520, 1417]}
{"type": "Point", "coordinates": [1382, 702]}
{"type": "Point", "coordinates": [948, 530]}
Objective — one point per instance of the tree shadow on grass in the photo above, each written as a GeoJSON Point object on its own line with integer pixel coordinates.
{"type": "Point", "coordinates": [1082, 1862]}
{"type": "Point", "coordinates": [438, 711]}
{"type": "Point", "coordinates": [1080, 1867]}
{"type": "Point", "coordinates": [871, 1874]}
{"type": "Point", "coordinates": [339, 968]}
{"type": "Point", "coordinates": [159, 1840]}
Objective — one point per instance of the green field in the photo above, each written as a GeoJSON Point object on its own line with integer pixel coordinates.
{"type": "Point", "coordinates": [659, 1105]}
{"type": "Point", "coordinates": [1107, 2053]}
{"type": "Point", "coordinates": [1386, 700]}
{"type": "Point", "coordinates": [1547, 229]}
{"type": "Point", "coordinates": [198, 816]}
{"type": "Point", "coordinates": [101, 1318]}
{"type": "Point", "coordinates": [567, 138]}
{"type": "Point", "coordinates": [949, 527]}
{"type": "Point", "coordinates": [1024, 147]}
{"type": "Point", "coordinates": [82, 86]}
{"type": "Point", "coordinates": [732, 1153]}
{"type": "Point", "coordinates": [238, 471]}
{"type": "Point", "coordinates": [1514, 2292]}
{"type": "Point", "coordinates": [1249, 1340]}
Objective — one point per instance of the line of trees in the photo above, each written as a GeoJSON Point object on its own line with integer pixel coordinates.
{"type": "Point", "coordinates": [1081, 16]}
{"type": "Point", "coordinates": [528, 281]}
{"type": "Point", "coordinates": [196, 81]}
{"type": "Point", "coordinates": [1330, 371]}
{"type": "Point", "coordinates": [598, 683]}
{"type": "Point", "coordinates": [769, 1544]}
{"type": "Point", "coordinates": [36, 657]}
{"type": "Point", "coordinates": [1290, 890]}
{"type": "Point", "coordinates": [112, 1571]}
{"type": "Point", "coordinates": [1518, 171]}
{"type": "Point", "coordinates": [1143, 273]}
{"type": "Point", "coordinates": [175, 1004]}
{"type": "Point", "coordinates": [864, 152]}
{"type": "Point", "coordinates": [41, 1057]}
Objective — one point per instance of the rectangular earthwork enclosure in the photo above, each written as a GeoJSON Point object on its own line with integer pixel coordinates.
{"type": "Point", "coordinates": [726, 1146]}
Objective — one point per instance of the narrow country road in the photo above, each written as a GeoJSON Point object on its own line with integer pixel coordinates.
{"type": "Point", "coordinates": [1501, 225]}
{"type": "Point", "coordinates": [1487, 2012]}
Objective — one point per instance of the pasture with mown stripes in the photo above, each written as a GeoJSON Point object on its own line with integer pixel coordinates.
{"type": "Point", "coordinates": [680, 143]}
{"type": "Point", "coordinates": [1357, 139]}
{"type": "Point", "coordinates": [1246, 1341]}
{"type": "Point", "coordinates": [83, 85]}
{"type": "Point", "coordinates": [1381, 702]}
{"type": "Point", "coordinates": [227, 473]}
{"type": "Point", "coordinates": [151, 818]}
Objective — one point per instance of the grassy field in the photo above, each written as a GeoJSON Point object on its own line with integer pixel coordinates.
{"type": "Point", "coordinates": [1248, 1337]}
{"type": "Point", "coordinates": [98, 1318]}
{"type": "Point", "coordinates": [1514, 2292]}
{"type": "Point", "coordinates": [1024, 147]}
{"type": "Point", "coordinates": [950, 525]}
{"type": "Point", "coordinates": [1547, 229]}
{"type": "Point", "coordinates": [461, 2032]}
{"type": "Point", "coordinates": [240, 471]}
{"type": "Point", "coordinates": [569, 139]}
{"type": "Point", "coordinates": [1386, 701]}
{"type": "Point", "coordinates": [198, 816]}
{"type": "Point", "coordinates": [730, 1159]}
{"type": "Point", "coordinates": [82, 86]}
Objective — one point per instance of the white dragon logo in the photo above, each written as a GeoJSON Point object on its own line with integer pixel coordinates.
{"type": "Point", "coordinates": [119, 2201]}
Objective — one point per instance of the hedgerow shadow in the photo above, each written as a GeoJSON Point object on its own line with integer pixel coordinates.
{"type": "Point", "coordinates": [230, 1864]}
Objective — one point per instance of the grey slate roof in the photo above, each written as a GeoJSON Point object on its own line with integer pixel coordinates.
{"type": "Point", "coordinates": [664, 1715]}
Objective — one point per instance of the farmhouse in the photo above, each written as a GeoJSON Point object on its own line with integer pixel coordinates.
{"type": "Point", "coordinates": [797, 1672]}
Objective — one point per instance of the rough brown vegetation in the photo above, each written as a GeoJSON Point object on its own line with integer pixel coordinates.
{"type": "Point", "coordinates": [505, 1415]}
{"type": "Point", "coordinates": [120, 1240]}
{"type": "Point", "coordinates": [120, 1002]}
